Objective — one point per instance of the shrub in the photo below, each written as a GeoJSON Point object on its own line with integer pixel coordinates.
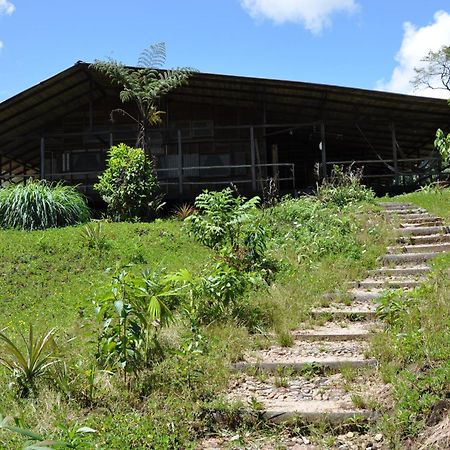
{"type": "Point", "coordinates": [38, 205]}
{"type": "Point", "coordinates": [129, 185]}
{"type": "Point", "coordinates": [344, 187]}
{"type": "Point", "coordinates": [231, 226]}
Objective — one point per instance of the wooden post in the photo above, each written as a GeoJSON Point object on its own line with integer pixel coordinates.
{"type": "Point", "coordinates": [253, 157]}
{"type": "Point", "coordinates": [324, 151]}
{"type": "Point", "coordinates": [394, 153]}
{"type": "Point", "coordinates": [180, 163]}
{"type": "Point", "coordinates": [42, 158]}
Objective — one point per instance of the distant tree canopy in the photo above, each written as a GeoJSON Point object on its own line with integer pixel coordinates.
{"type": "Point", "coordinates": [435, 74]}
{"type": "Point", "coordinates": [144, 86]}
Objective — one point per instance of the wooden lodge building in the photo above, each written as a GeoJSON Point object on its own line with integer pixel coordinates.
{"type": "Point", "coordinates": [221, 129]}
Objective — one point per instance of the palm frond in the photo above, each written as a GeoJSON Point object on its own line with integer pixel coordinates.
{"type": "Point", "coordinates": [154, 56]}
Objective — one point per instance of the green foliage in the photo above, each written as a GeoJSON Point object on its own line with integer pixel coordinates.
{"type": "Point", "coordinates": [414, 352]}
{"type": "Point", "coordinates": [30, 363]}
{"type": "Point", "coordinates": [132, 313]}
{"type": "Point", "coordinates": [38, 205]}
{"type": "Point", "coordinates": [36, 441]}
{"type": "Point", "coordinates": [129, 186]}
{"type": "Point", "coordinates": [144, 86]}
{"type": "Point", "coordinates": [231, 226]}
{"type": "Point", "coordinates": [442, 143]}
{"type": "Point", "coordinates": [344, 188]}
{"type": "Point", "coordinates": [316, 229]}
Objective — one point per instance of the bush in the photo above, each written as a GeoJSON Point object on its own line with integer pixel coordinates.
{"type": "Point", "coordinates": [344, 188]}
{"type": "Point", "coordinates": [38, 205]}
{"type": "Point", "coordinates": [231, 226]}
{"type": "Point", "coordinates": [129, 186]}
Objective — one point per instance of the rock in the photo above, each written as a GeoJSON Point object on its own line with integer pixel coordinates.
{"type": "Point", "coordinates": [350, 434]}
{"type": "Point", "coordinates": [306, 441]}
{"type": "Point", "coordinates": [378, 437]}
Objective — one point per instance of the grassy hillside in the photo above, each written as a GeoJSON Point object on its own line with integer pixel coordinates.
{"type": "Point", "coordinates": [49, 278]}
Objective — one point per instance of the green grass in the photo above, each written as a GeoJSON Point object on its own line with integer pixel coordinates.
{"type": "Point", "coordinates": [435, 201]}
{"type": "Point", "coordinates": [50, 277]}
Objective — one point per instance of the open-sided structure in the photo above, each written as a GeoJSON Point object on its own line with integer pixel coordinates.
{"type": "Point", "coordinates": [220, 129]}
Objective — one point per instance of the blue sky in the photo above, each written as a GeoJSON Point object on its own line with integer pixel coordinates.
{"type": "Point", "coordinates": [342, 42]}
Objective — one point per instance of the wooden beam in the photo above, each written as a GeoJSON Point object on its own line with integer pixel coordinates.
{"type": "Point", "coordinates": [253, 157]}
{"type": "Point", "coordinates": [324, 151]}
{"type": "Point", "coordinates": [42, 168]}
{"type": "Point", "coordinates": [180, 163]}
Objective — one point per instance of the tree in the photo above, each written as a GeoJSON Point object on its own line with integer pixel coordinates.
{"type": "Point", "coordinates": [435, 74]}
{"type": "Point", "coordinates": [144, 86]}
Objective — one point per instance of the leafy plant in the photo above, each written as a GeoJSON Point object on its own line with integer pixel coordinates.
{"type": "Point", "coordinates": [133, 312]}
{"type": "Point", "coordinates": [31, 363]}
{"type": "Point", "coordinates": [230, 225]}
{"type": "Point", "coordinates": [442, 143]}
{"type": "Point", "coordinates": [38, 205]}
{"type": "Point", "coordinates": [129, 186]}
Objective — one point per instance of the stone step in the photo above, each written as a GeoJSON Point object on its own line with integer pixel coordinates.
{"type": "Point", "coordinates": [316, 411]}
{"type": "Point", "coordinates": [310, 398]}
{"type": "Point", "coordinates": [388, 283]}
{"type": "Point", "coordinates": [400, 212]}
{"type": "Point", "coordinates": [420, 240]}
{"type": "Point", "coordinates": [420, 248]}
{"type": "Point", "coordinates": [358, 312]}
{"type": "Point", "coordinates": [355, 294]}
{"type": "Point", "coordinates": [415, 216]}
{"type": "Point", "coordinates": [335, 332]}
{"type": "Point", "coordinates": [421, 223]}
{"type": "Point", "coordinates": [408, 258]}
{"type": "Point", "coordinates": [421, 231]}
{"type": "Point", "coordinates": [395, 205]}
{"type": "Point", "coordinates": [400, 271]}
{"type": "Point", "coordinates": [336, 363]}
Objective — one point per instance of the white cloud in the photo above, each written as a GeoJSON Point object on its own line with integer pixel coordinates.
{"type": "Point", "coordinates": [1, 45]}
{"type": "Point", "coordinates": [6, 7]}
{"type": "Point", "coordinates": [313, 14]}
{"type": "Point", "coordinates": [416, 44]}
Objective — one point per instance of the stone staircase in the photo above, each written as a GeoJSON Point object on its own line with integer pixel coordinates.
{"type": "Point", "coordinates": [308, 379]}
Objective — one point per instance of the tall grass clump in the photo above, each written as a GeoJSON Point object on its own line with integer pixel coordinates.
{"type": "Point", "coordinates": [38, 205]}
{"type": "Point", "coordinates": [344, 188]}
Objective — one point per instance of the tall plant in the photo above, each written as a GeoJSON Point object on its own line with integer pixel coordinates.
{"type": "Point", "coordinates": [144, 86]}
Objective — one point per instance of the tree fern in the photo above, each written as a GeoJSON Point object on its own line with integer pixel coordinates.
{"type": "Point", "coordinates": [144, 86]}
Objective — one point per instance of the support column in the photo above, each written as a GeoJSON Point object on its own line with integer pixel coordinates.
{"type": "Point", "coordinates": [323, 151]}
{"type": "Point", "coordinates": [180, 163]}
{"type": "Point", "coordinates": [42, 174]}
{"type": "Point", "coordinates": [394, 153]}
{"type": "Point", "coordinates": [111, 140]}
{"type": "Point", "coordinates": [253, 157]}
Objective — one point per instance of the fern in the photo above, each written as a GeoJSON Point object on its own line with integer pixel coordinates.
{"type": "Point", "coordinates": [144, 86]}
